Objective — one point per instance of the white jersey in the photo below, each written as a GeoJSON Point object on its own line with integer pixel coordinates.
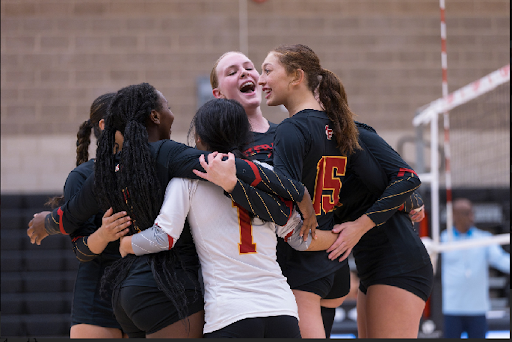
{"type": "Point", "coordinates": [242, 278]}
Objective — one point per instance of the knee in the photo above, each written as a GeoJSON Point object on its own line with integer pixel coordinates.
{"type": "Point", "coordinates": [332, 303]}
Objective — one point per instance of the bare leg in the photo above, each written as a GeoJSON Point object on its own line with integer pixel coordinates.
{"type": "Point", "coordinates": [93, 331]}
{"type": "Point", "coordinates": [332, 303]}
{"type": "Point", "coordinates": [391, 312]}
{"type": "Point", "coordinates": [191, 328]}
{"type": "Point", "coordinates": [310, 316]}
{"type": "Point", "coordinates": [361, 315]}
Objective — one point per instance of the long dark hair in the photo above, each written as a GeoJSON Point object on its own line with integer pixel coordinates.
{"type": "Point", "coordinates": [128, 181]}
{"type": "Point", "coordinates": [223, 126]}
{"type": "Point", "coordinates": [97, 112]}
{"type": "Point", "coordinates": [331, 92]}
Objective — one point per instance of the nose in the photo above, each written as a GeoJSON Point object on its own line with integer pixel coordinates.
{"type": "Point", "coordinates": [261, 81]}
{"type": "Point", "coordinates": [244, 73]}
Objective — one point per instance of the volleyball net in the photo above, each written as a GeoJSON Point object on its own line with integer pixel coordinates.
{"type": "Point", "coordinates": [478, 153]}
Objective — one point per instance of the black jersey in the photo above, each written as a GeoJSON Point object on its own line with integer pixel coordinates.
{"type": "Point", "coordinates": [262, 145]}
{"type": "Point", "coordinates": [89, 307]}
{"type": "Point", "coordinates": [392, 246]}
{"type": "Point", "coordinates": [305, 149]}
{"type": "Point", "coordinates": [74, 183]}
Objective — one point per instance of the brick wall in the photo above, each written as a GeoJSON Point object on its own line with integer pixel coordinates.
{"type": "Point", "coordinates": [58, 55]}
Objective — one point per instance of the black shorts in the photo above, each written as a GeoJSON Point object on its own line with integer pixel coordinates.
{"type": "Point", "coordinates": [260, 327]}
{"type": "Point", "coordinates": [334, 285]}
{"type": "Point", "coordinates": [145, 310]}
{"type": "Point", "coordinates": [88, 306]}
{"type": "Point", "coordinates": [418, 282]}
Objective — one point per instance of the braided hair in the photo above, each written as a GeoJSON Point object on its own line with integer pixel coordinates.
{"type": "Point", "coordinates": [127, 181]}
{"type": "Point", "coordinates": [98, 111]}
{"type": "Point", "coordinates": [223, 126]}
{"type": "Point", "coordinates": [331, 92]}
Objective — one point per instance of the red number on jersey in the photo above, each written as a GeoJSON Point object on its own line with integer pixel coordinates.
{"type": "Point", "coordinates": [329, 171]}
{"type": "Point", "coordinates": [246, 244]}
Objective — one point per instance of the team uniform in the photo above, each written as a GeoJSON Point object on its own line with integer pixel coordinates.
{"type": "Point", "coordinates": [138, 315]}
{"type": "Point", "coordinates": [305, 149]}
{"type": "Point", "coordinates": [262, 145]}
{"type": "Point", "coordinates": [242, 278]}
{"type": "Point", "coordinates": [391, 253]}
{"type": "Point", "coordinates": [88, 306]}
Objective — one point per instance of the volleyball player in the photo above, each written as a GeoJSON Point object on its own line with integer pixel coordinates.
{"type": "Point", "coordinates": [91, 314]}
{"type": "Point", "coordinates": [320, 144]}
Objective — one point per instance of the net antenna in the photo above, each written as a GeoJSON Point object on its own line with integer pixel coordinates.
{"type": "Point", "coordinates": [480, 149]}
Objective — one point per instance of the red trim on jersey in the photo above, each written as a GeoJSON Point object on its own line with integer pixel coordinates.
{"type": "Point", "coordinates": [402, 172]}
{"type": "Point", "coordinates": [61, 227]}
{"type": "Point", "coordinates": [76, 238]}
{"type": "Point", "coordinates": [171, 241]}
{"type": "Point", "coordinates": [257, 176]}
{"type": "Point", "coordinates": [289, 205]}
{"type": "Point", "coordinates": [287, 236]}
{"type": "Point", "coordinates": [402, 207]}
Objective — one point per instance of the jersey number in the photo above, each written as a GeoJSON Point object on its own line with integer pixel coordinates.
{"type": "Point", "coordinates": [329, 171]}
{"type": "Point", "coordinates": [246, 244]}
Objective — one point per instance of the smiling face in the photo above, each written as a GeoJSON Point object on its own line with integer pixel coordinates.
{"type": "Point", "coordinates": [238, 80]}
{"type": "Point", "coordinates": [274, 80]}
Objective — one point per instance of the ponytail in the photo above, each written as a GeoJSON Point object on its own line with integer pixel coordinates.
{"type": "Point", "coordinates": [83, 140]}
{"type": "Point", "coordinates": [333, 98]}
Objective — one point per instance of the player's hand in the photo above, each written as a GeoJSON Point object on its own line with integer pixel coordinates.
{"type": "Point", "coordinates": [218, 171]}
{"type": "Point", "coordinates": [417, 215]}
{"type": "Point", "coordinates": [114, 226]}
{"type": "Point", "coordinates": [308, 215]}
{"type": "Point", "coordinates": [350, 234]}
{"type": "Point", "coordinates": [36, 231]}
{"type": "Point", "coordinates": [125, 246]}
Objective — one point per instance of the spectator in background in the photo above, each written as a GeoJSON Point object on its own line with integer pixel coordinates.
{"type": "Point", "coordinates": [465, 275]}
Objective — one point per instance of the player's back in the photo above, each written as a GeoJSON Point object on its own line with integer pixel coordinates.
{"type": "Point", "coordinates": [238, 260]}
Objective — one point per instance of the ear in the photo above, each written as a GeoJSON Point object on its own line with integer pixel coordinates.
{"type": "Point", "coordinates": [155, 117]}
{"type": "Point", "coordinates": [102, 124]}
{"type": "Point", "coordinates": [217, 94]}
{"type": "Point", "coordinates": [298, 77]}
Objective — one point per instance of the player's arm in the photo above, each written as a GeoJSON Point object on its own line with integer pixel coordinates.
{"type": "Point", "coordinates": [291, 234]}
{"type": "Point", "coordinates": [168, 225]}
{"type": "Point", "coordinates": [267, 205]}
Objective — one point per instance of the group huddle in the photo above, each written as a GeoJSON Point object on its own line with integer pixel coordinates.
{"type": "Point", "coordinates": [247, 234]}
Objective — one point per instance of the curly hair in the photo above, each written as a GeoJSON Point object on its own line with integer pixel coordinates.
{"type": "Point", "coordinates": [128, 181]}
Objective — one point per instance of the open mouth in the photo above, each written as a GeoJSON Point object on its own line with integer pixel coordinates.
{"type": "Point", "coordinates": [248, 87]}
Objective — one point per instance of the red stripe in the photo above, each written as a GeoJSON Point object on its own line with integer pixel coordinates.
{"type": "Point", "coordinates": [287, 236]}
{"type": "Point", "coordinates": [76, 238]}
{"type": "Point", "coordinates": [61, 227]}
{"type": "Point", "coordinates": [401, 207]}
{"type": "Point", "coordinates": [171, 241]}
{"type": "Point", "coordinates": [402, 172]}
{"type": "Point", "coordinates": [257, 176]}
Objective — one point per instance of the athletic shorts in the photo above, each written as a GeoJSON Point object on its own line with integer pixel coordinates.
{"type": "Point", "coordinates": [145, 310]}
{"type": "Point", "coordinates": [334, 285]}
{"type": "Point", "coordinates": [418, 282]}
{"type": "Point", "coordinates": [260, 327]}
{"type": "Point", "coordinates": [88, 306]}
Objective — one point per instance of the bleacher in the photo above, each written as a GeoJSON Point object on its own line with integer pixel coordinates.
{"type": "Point", "coordinates": [37, 281]}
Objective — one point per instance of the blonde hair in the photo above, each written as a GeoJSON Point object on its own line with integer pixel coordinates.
{"type": "Point", "coordinates": [214, 79]}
